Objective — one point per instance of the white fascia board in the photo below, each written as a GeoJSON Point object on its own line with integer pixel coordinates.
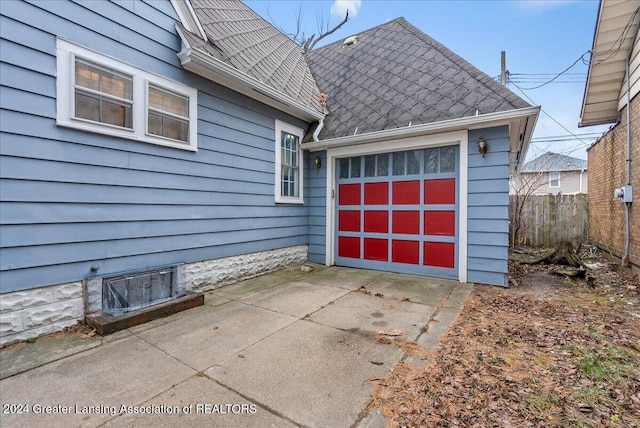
{"type": "Point", "coordinates": [188, 17]}
{"type": "Point", "coordinates": [213, 69]}
{"type": "Point", "coordinates": [467, 123]}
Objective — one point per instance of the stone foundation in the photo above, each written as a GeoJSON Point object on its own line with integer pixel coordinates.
{"type": "Point", "coordinates": [30, 313]}
{"type": "Point", "coordinates": [210, 274]}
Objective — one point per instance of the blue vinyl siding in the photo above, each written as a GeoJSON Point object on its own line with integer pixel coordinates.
{"type": "Point", "coordinates": [488, 208]}
{"type": "Point", "coordinates": [71, 200]}
{"type": "Point", "coordinates": [316, 196]}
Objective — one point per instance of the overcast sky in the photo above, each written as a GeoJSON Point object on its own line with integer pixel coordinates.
{"type": "Point", "coordinates": [541, 38]}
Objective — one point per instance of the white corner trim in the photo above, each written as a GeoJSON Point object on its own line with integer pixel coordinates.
{"type": "Point", "coordinates": [463, 209]}
{"type": "Point", "coordinates": [188, 17]}
{"type": "Point", "coordinates": [412, 143]}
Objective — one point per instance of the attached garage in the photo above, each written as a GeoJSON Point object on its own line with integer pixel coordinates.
{"type": "Point", "coordinates": [396, 181]}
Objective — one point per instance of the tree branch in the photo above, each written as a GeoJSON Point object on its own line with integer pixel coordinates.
{"type": "Point", "coordinates": [312, 41]}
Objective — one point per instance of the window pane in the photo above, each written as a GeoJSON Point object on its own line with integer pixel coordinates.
{"type": "Point", "coordinates": [398, 163]}
{"type": "Point", "coordinates": [95, 108]}
{"type": "Point", "coordinates": [168, 102]}
{"type": "Point", "coordinates": [87, 107]}
{"type": "Point", "coordinates": [447, 159]}
{"type": "Point", "coordinates": [344, 168]}
{"type": "Point", "coordinates": [101, 79]}
{"type": "Point", "coordinates": [355, 167]}
{"type": "Point", "coordinates": [413, 162]}
{"type": "Point", "coordinates": [168, 127]}
{"type": "Point", "coordinates": [430, 161]}
{"type": "Point", "coordinates": [383, 165]}
{"type": "Point", "coordinates": [370, 166]}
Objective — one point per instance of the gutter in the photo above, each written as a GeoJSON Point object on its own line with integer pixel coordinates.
{"type": "Point", "coordinates": [470, 122]}
{"type": "Point", "coordinates": [203, 64]}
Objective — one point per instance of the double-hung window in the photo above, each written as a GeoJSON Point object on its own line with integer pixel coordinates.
{"type": "Point", "coordinates": [554, 179]}
{"type": "Point", "coordinates": [289, 169]}
{"type": "Point", "coordinates": [100, 94]}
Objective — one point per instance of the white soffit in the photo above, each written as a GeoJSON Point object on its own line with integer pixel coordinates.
{"type": "Point", "coordinates": [609, 54]}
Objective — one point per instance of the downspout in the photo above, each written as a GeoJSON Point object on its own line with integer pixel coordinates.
{"type": "Point", "coordinates": [627, 205]}
{"type": "Point", "coordinates": [316, 133]}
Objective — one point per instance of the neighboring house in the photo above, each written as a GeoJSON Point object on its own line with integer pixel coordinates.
{"type": "Point", "coordinates": [150, 148]}
{"type": "Point", "coordinates": [551, 173]}
{"type": "Point", "coordinates": [614, 160]}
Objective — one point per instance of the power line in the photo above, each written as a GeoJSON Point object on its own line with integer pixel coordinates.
{"type": "Point", "coordinates": [549, 116]}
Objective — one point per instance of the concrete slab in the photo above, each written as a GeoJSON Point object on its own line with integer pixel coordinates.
{"type": "Point", "coordinates": [365, 314]}
{"type": "Point", "coordinates": [195, 400]}
{"type": "Point", "coordinates": [430, 291]}
{"type": "Point", "coordinates": [210, 335]}
{"type": "Point", "coordinates": [297, 299]}
{"type": "Point", "coordinates": [375, 419]}
{"type": "Point", "coordinates": [459, 295]}
{"type": "Point", "coordinates": [248, 287]}
{"type": "Point", "coordinates": [314, 375]}
{"type": "Point", "coordinates": [128, 371]}
{"type": "Point", "coordinates": [25, 356]}
{"type": "Point", "coordinates": [214, 299]}
{"type": "Point", "coordinates": [347, 278]}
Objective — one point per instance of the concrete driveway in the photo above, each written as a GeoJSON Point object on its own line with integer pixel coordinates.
{"type": "Point", "coordinates": [290, 348]}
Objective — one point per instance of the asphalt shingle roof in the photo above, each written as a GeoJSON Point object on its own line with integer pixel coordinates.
{"type": "Point", "coordinates": [395, 74]}
{"type": "Point", "coordinates": [241, 38]}
{"type": "Point", "coordinates": [554, 162]}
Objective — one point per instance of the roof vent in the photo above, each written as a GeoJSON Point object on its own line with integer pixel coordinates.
{"type": "Point", "coordinates": [350, 41]}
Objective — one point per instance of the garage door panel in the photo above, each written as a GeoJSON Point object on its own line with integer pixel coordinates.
{"type": "Point", "coordinates": [406, 222]}
{"type": "Point", "coordinates": [440, 191]}
{"type": "Point", "coordinates": [406, 192]}
{"type": "Point", "coordinates": [376, 193]}
{"type": "Point", "coordinates": [349, 246]}
{"type": "Point", "coordinates": [441, 223]}
{"type": "Point", "coordinates": [405, 251]}
{"type": "Point", "coordinates": [376, 221]}
{"type": "Point", "coordinates": [376, 249]}
{"type": "Point", "coordinates": [349, 221]}
{"type": "Point", "coordinates": [439, 254]}
{"type": "Point", "coordinates": [349, 194]}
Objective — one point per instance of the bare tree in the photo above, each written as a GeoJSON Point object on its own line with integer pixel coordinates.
{"type": "Point", "coordinates": [299, 36]}
{"type": "Point", "coordinates": [523, 186]}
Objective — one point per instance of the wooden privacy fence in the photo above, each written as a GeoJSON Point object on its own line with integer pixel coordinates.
{"type": "Point", "coordinates": [547, 220]}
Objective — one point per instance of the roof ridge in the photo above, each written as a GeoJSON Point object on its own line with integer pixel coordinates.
{"type": "Point", "coordinates": [341, 41]}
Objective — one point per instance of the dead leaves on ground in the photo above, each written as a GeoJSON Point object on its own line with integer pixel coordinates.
{"type": "Point", "coordinates": [513, 359]}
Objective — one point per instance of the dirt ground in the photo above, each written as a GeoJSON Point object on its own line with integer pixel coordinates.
{"type": "Point", "coordinates": [547, 352]}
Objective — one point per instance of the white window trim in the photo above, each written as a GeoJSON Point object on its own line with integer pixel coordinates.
{"type": "Point", "coordinates": [66, 54]}
{"type": "Point", "coordinates": [551, 174]}
{"type": "Point", "coordinates": [285, 127]}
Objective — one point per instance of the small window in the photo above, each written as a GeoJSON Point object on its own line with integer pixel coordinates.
{"type": "Point", "coordinates": [103, 95]}
{"type": "Point", "coordinates": [168, 114]}
{"type": "Point", "coordinates": [96, 93]}
{"type": "Point", "coordinates": [289, 172]}
{"type": "Point", "coordinates": [554, 179]}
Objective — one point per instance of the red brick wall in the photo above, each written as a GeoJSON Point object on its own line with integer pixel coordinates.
{"type": "Point", "coordinates": [607, 171]}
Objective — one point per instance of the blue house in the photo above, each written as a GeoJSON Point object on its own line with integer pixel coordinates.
{"type": "Point", "coordinates": [149, 148]}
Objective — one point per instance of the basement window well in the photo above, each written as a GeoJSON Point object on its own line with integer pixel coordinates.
{"type": "Point", "coordinates": [136, 290]}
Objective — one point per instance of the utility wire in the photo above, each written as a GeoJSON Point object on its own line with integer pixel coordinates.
{"type": "Point", "coordinates": [548, 115]}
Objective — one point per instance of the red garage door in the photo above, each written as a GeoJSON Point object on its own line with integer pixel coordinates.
{"type": "Point", "coordinates": [398, 212]}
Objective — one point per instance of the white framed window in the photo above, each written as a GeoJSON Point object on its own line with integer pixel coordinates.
{"type": "Point", "coordinates": [554, 179]}
{"type": "Point", "coordinates": [289, 168]}
{"type": "Point", "coordinates": [97, 93]}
